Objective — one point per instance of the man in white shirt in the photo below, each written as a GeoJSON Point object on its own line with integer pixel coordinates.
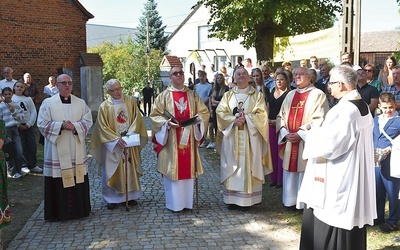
{"type": "Point", "coordinates": [8, 80]}
{"type": "Point", "coordinates": [314, 66]}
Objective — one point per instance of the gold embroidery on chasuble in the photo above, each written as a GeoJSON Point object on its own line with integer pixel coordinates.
{"type": "Point", "coordinates": [295, 120]}
{"type": "Point", "coordinates": [182, 113]}
{"type": "Point", "coordinates": [121, 117]}
{"type": "Point", "coordinates": [122, 123]}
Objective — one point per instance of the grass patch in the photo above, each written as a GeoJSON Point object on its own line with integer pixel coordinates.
{"type": "Point", "coordinates": [273, 208]}
{"type": "Point", "coordinates": [24, 195]}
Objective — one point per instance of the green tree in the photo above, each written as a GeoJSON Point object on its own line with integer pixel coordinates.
{"type": "Point", "coordinates": [157, 39]}
{"type": "Point", "coordinates": [258, 22]}
{"type": "Point", "coordinates": [127, 62]}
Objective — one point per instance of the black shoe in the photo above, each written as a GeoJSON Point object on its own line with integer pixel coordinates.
{"type": "Point", "coordinates": [292, 208]}
{"type": "Point", "coordinates": [232, 207]}
{"type": "Point", "coordinates": [388, 228]}
{"type": "Point", "coordinates": [236, 207]}
{"type": "Point", "coordinates": [278, 186]}
{"type": "Point", "coordinates": [379, 222]}
{"type": "Point", "coordinates": [132, 203]}
{"type": "Point", "coordinates": [244, 209]}
{"type": "Point", "coordinates": [112, 206]}
{"type": "Point", "coordinates": [272, 184]}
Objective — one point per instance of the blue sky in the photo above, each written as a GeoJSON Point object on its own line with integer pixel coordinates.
{"type": "Point", "coordinates": [126, 13]}
{"type": "Point", "coordinates": [376, 14]}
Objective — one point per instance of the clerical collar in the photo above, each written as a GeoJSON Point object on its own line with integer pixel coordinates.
{"type": "Point", "coordinates": [177, 88]}
{"type": "Point", "coordinates": [65, 99]}
{"type": "Point", "coordinates": [304, 89]}
{"type": "Point", "coordinates": [115, 101]}
{"type": "Point", "coordinates": [244, 90]}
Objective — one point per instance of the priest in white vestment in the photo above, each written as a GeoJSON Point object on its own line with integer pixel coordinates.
{"type": "Point", "coordinates": [304, 105]}
{"type": "Point", "coordinates": [119, 128]}
{"type": "Point", "coordinates": [64, 120]}
{"type": "Point", "coordinates": [339, 182]}
{"type": "Point", "coordinates": [176, 143]}
{"type": "Point", "coordinates": [245, 157]}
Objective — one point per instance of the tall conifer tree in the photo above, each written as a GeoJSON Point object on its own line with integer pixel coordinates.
{"type": "Point", "coordinates": [157, 39]}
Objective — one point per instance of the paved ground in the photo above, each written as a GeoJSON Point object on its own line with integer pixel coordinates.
{"type": "Point", "coordinates": [151, 226]}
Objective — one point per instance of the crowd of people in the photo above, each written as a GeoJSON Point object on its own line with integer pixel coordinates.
{"type": "Point", "coordinates": [315, 131]}
{"type": "Point", "coordinates": [18, 115]}
{"type": "Point", "coordinates": [325, 124]}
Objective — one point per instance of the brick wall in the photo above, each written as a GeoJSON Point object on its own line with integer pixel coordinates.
{"type": "Point", "coordinates": [40, 36]}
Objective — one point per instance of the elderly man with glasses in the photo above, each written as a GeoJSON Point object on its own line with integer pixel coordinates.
{"type": "Point", "coordinates": [8, 80]}
{"type": "Point", "coordinates": [306, 104]}
{"type": "Point", "coordinates": [64, 120]}
{"type": "Point", "coordinates": [118, 116]}
{"type": "Point", "coordinates": [177, 141]}
{"type": "Point", "coordinates": [339, 182]}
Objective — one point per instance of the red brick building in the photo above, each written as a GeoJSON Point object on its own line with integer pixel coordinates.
{"type": "Point", "coordinates": [44, 38]}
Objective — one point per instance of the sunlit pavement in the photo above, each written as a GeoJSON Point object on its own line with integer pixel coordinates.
{"type": "Point", "coordinates": [149, 225]}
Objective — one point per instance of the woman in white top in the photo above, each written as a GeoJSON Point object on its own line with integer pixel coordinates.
{"type": "Point", "coordinates": [26, 129]}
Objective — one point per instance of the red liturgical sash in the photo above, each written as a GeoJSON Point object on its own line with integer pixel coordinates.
{"type": "Point", "coordinates": [294, 122]}
{"type": "Point", "coordinates": [182, 113]}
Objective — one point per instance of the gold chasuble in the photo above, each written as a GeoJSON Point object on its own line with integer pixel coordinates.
{"type": "Point", "coordinates": [178, 160]}
{"type": "Point", "coordinates": [301, 106]}
{"type": "Point", "coordinates": [115, 120]}
{"type": "Point", "coordinates": [245, 154]}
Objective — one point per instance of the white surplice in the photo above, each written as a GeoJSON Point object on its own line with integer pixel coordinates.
{"type": "Point", "coordinates": [339, 181]}
{"type": "Point", "coordinates": [51, 116]}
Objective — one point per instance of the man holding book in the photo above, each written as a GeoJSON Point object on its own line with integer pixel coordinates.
{"type": "Point", "coordinates": [176, 135]}
{"type": "Point", "coordinates": [119, 135]}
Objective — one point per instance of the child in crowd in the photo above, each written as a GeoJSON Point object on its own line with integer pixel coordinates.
{"type": "Point", "coordinates": [11, 113]}
{"type": "Point", "coordinates": [386, 125]}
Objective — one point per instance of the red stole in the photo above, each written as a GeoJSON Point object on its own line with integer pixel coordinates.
{"type": "Point", "coordinates": [295, 120]}
{"type": "Point", "coordinates": [181, 113]}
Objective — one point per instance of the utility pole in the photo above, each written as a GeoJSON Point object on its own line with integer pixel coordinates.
{"type": "Point", "coordinates": [351, 29]}
{"type": "Point", "coordinates": [357, 32]}
{"type": "Point", "coordinates": [148, 50]}
{"type": "Point", "coordinates": [347, 27]}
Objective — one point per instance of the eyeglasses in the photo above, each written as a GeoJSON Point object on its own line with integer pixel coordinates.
{"type": "Point", "coordinates": [176, 73]}
{"type": "Point", "coordinates": [331, 83]}
{"type": "Point", "coordinates": [368, 70]}
{"type": "Point", "coordinates": [65, 83]}
{"type": "Point", "coordinates": [117, 89]}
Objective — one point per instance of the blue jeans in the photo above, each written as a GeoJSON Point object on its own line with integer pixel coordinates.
{"type": "Point", "coordinates": [29, 146]}
{"type": "Point", "coordinates": [389, 186]}
{"type": "Point", "coordinates": [14, 166]}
